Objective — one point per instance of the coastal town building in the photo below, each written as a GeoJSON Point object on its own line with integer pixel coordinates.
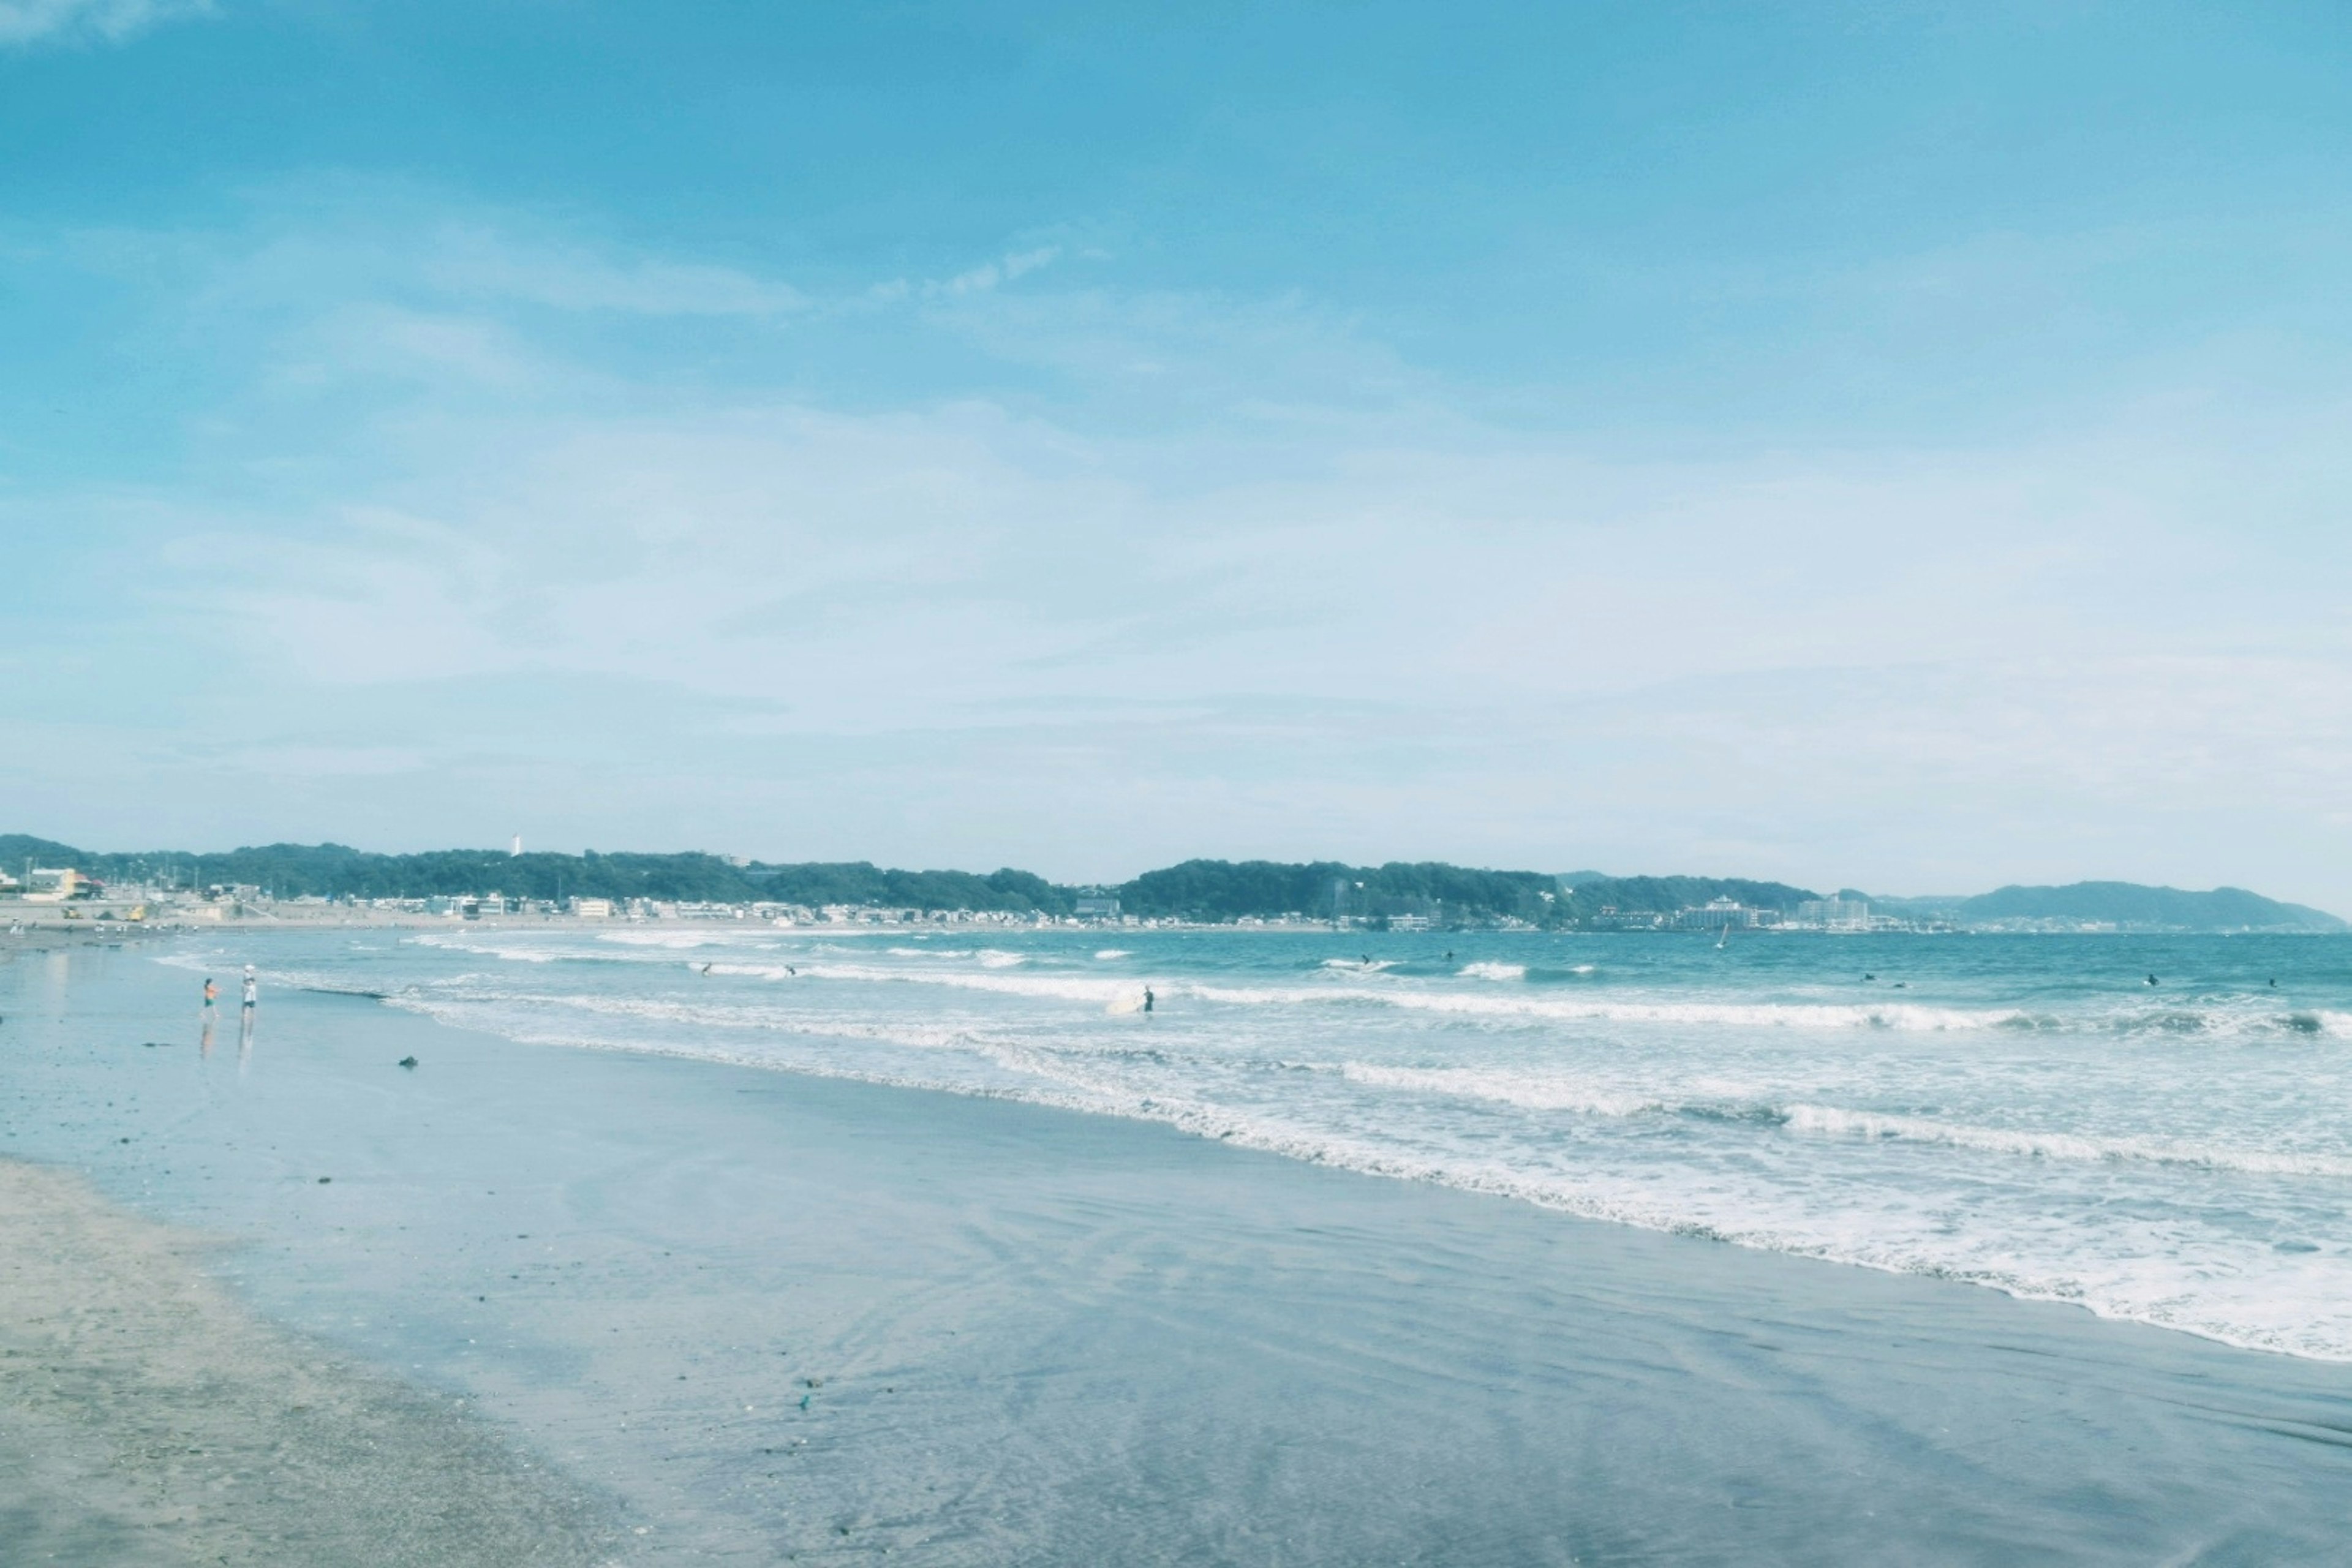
{"type": "Point", "coordinates": [1716, 915]}
{"type": "Point", "coordinates": [55, 885]}
{"type": "Point", "coordinates": [1834, 914]}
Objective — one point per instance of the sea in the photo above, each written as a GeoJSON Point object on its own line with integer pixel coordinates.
{"type": "Point", "coordinates": [2155, 1128]}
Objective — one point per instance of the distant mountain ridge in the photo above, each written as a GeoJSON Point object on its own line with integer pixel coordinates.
{"type": "Point", "coordinates": [2134, 904]}
{"type": "Point", "coordinates": [1194, 889]}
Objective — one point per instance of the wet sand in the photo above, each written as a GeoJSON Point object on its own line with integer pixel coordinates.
{"type": "Point", "coordinates": [148, 1418]}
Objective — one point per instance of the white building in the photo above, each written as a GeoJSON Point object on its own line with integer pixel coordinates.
{"type": "Point", "coordinates": [1835, 914]}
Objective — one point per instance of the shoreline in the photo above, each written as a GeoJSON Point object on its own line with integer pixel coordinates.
{"type": "Point", "coordinates": [770, 1312]}
{"type": "Point", "coordinates": [148, 1417]}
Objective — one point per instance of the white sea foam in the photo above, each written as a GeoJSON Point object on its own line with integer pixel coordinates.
{"type": "Point", "coordinates": [691, 936]}
{"type": "Point", "coordinates": [1527, 1090]}
{"type": "Point", "coordinates": [511, 952]}
{"type": "Point", "coordinates": [1767, 1014]}
{"type": "Point", "coordinates": [1110, 953]}
{"type": "Point", "coordinates": [2246, 1016]}
{"type": "Point", "coordinates": [2043, 1145]}
{"type": "Point", "coordinates": [1551, 1092]}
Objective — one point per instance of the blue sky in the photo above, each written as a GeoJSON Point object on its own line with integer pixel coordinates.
{"type": "Point", "coordinates": [1892, 445]}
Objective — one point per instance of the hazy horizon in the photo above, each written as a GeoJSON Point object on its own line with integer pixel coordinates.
{"type": "Point", "coordinates": [1887, 447]}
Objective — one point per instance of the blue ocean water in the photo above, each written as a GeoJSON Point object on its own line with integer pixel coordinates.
{"type": "Point", "coordinates": [2027, 1112]}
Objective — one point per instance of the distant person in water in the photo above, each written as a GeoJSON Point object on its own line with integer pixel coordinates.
{"type": "Point", "coordinates": [2151, 980]}
{"type": "Point", "coordinates": [212, 993]}
{"type": "Point", "coordinates": [1148, 998]}
{"type": "Point", "coordinates": [252, 986]}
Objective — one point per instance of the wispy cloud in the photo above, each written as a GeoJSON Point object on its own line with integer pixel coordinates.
{"type": "Point", "coordinates": [111, 21]}
{"type": "Point", "coordinates": [981, 280]}
{"type": "Point", "coordinates": [487, 263]}
{"type": "Point", "coordinates": [1004, 269]}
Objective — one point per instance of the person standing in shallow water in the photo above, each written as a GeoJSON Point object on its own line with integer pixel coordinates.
{"type": "Point", "coordinates": [1147, 999]}
{"type": "Point", "coordinates": [252, 987]}
{"type": "Point", "coordinates": [212, 993]}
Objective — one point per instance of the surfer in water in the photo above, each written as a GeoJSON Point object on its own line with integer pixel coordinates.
{"type": "Point", "coordinates": [1147, 999]}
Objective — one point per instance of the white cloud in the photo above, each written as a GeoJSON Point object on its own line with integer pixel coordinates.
{"type": "Point", "coordinates": [981, 280]}
{"type": "Point", "coordinates": [27, 21]}
{"type": "Point", "coordinates": [484, 262]}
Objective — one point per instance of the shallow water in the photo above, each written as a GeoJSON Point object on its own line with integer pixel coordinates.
{"type": "Point", "coordinates": [2025, 1112]}
{"type": "Point", "coordinates": [777, 1318]}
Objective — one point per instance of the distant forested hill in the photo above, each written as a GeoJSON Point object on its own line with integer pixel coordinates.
{"type": "Point", "coordinates": [2133, 904]}
{"type": "Point", "coordinates": [1225, 890]}
{"type": "Point", "coordinates": [336, 870]}
{"type": "Point", "coordinates": [858, 883]}
{"type": "Point", "coordinates": [1222, 890]}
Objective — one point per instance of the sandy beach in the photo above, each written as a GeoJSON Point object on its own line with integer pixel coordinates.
{"type": "Point", "coordinates": [757, 1317]}
{"type": "Point", "coordinates": [148, 1417]}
